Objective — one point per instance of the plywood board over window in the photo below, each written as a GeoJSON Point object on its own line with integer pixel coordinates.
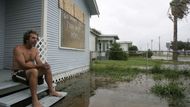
{"type": "Point", "coordinates": [67, 5]}
{"type": "Point", "coordinates": [72, 25]}
{"type": "Point", "coordinates": [72, 9]}
{"type": "Point", "coordinates": [72, 32]}
{"type": "Point", "coordinates": [78, 14]}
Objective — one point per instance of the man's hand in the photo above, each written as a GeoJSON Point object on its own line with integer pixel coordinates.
{"type": "Point", "coordinates": [45, 66]}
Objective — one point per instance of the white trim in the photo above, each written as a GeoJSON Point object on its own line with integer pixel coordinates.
{"type": "Point", "coordinates": [57, 77]}
{"type": "Point", "coordinates": [44, 21]}
{"type": "Point", "coordinates": [76, 49]}
{"type": "Point", "coordinates": [59, 27]}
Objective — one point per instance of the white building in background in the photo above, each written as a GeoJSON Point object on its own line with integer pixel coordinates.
{"type": "Point", "coordinates": [93, 43]}
{"type": "Point", "coordinates": [100, 43]}
{"type": "Point", "coordinates": [125, 45]}
{"type": "Point", "coordinates": [104, 43]}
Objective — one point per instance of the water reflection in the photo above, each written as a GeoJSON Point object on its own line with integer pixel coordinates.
{"type": "Point", "coordinates": [90, 91]}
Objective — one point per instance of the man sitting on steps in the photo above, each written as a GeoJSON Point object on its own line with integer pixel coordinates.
{"type": "Point", "coordinates": [28, 67]}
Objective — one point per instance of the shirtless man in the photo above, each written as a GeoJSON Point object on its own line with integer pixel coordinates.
{"type": "Point", "coordinates": [26, 59]}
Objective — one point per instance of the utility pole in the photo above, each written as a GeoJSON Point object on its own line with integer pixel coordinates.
{"type": "Point", "coordinates": [159, 45]}
{"type": "Point", "coordinates": [151, 45]}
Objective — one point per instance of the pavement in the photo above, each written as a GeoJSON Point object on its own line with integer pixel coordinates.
{"type": "Point", "coordinates": [5, 75]}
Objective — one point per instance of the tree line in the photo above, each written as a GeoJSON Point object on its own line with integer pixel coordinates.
{"type": "Point", "coordinates": [181, 45]}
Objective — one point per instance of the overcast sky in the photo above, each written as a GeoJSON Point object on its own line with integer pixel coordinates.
{"type": "Point", "coordinates": [139, 21]}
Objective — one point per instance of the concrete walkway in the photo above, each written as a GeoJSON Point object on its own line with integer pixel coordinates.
{"type": "Point", "coordinates": [5, 75]}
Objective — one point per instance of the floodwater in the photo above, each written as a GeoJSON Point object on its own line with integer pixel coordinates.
{"type": "Point", "coordinates": [89, 91]}
{"type": "Point", "coordinates": [133, 94]}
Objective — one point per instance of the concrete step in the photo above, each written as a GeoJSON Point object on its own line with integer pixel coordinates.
{"type": "Point", "coordinates": [10, 100]}
{"type": "Point", "coordinates": [7, 87]}
{"type": "Point", "coordinates": [50, 100]}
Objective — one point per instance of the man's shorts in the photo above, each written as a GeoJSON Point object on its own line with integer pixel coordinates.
{"type": "Point", "coordinates": [20, 76]}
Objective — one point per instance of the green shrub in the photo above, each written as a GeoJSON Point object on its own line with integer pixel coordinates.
{"type": "Point", "coordinates": [116, 53]}
{"type": "Point", "coordinates": [150, 53]}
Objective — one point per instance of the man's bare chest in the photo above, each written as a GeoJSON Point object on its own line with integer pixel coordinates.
{"type": "Point", "coordinates": [29, 55]}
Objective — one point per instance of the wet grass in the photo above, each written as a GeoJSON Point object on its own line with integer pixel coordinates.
{"type": "Point", "coordinates": [116, 71]}
{"type": "Point", "coordinates": [131, 62]}
{"type": "Point", "coordinates": [168, 85]}
{"type": "Point", "coordinates": [128, 70]}
{"type": "Point", "coordinates": [169, 74]}
{"type": "Point", "coordinates": [171, 90]}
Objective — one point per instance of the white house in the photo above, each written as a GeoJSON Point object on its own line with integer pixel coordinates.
{"type": "Point", "coordinates": [94, 34]}
{"type": "Point", "coordinates": [101, 43]}
{"type": "Point", "coordinates": [125, 45]}
{"type": "Point", "coordinates": [63, 26]}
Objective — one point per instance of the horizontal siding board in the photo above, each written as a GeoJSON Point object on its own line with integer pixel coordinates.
{"type": "Point", "coordinates": [2, 31]}
{"type": "Point", "coordinates": [21, 15]}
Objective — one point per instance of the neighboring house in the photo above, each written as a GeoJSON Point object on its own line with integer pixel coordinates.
{"type": "Point", "coordinates": [63, 25]}
{"type": "Point", "coordinates": [100, 44]}
{"type": "Point", "coordinates": [94, 34]}
{"type": "Point", "coordinates": [125, 45]}
{"type": "Point", "coordinates": [104, 43]}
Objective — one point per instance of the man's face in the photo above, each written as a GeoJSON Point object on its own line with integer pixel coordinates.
{"type": "Point", "coordinates": [33, 39]}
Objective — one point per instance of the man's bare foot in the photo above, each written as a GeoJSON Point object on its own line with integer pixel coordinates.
{"type": "Point", "coordinates": [55, 93]}
{"type": "Point", "coordinates": [36, 104]}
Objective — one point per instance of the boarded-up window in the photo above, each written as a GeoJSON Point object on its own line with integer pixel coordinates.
{"type": "Point", "coordinates": [72, 31]}
{"type": "Point", "coordinates": [72, 25]}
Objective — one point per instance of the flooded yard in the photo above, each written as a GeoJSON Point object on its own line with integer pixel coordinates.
{"type": "Point", "coordinates": [120, 84]}
{"type": "Point", "coordinates": [87, 90]}
{"type": "Point", "coordinates": [127, 94]}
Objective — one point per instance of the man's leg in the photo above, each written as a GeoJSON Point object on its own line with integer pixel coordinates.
{"type": "Point", "coordinates": [49, 81]}
{"type": "Point", "coordinates": [32, 76]}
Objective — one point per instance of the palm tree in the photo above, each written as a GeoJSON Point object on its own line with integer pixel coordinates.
{"type": "Point", "coordinates": [179, 9]}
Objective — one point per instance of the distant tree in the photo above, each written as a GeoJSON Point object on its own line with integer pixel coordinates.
{"type": "Point", "coordinates": [117, 53]}
{"type": "Point", "coordinates": [187, 46]}
{"type": "Point", "coordinates": [133, 50]}
{"type": "Point", "coordinates": [181, 45]}
{"type": "Point", "coordinates": [179, 9]}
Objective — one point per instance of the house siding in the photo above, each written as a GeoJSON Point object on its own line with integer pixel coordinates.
{"type": "Point", "coordinates": [2, 31]}
{"type": "Point", "coordinates": [63, 60]}
{"type": "Point", "coordinates": [21, 15]}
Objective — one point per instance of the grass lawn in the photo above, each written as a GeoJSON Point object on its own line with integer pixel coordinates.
{"type": "Point", "coordinates": [117, 69]}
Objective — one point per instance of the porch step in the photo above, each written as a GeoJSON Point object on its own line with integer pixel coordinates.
{"type": "Point", "coordinates": [50, 100]}
{"type": "Point", "coordinates": [14, 98]}
{"type": "Point", "coordinates": [7, 87]}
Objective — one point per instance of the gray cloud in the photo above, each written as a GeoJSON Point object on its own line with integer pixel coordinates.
{"type": "Point", "coordinates": [139, 21]}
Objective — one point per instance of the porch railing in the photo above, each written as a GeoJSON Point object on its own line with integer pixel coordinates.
{"type": "Point", "coordinates": [42, 47]}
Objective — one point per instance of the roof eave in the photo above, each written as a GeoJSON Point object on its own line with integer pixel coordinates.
{"type": "Point", "coordinates": [93, 7]}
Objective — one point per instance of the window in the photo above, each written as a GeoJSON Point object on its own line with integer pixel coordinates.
{"type": "Point", "coordinates": [72, 26]}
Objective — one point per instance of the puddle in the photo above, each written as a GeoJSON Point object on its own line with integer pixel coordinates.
{"type": "Point", "coordinates": [86, 91]}
{"type": "Point", "coordinates": [133, 94]}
